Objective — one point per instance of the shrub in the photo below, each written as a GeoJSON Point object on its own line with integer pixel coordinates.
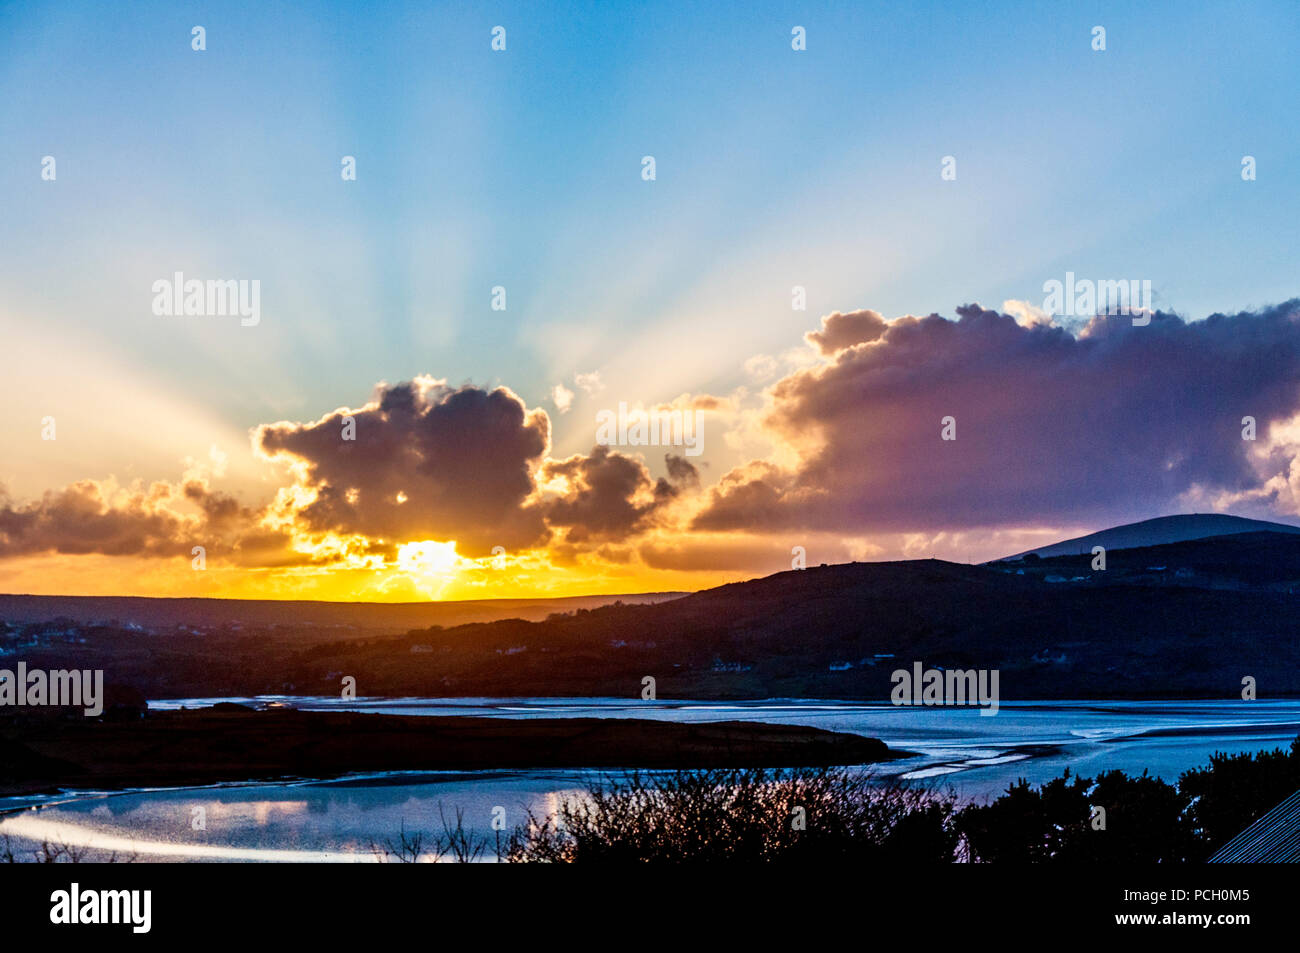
{"type": "Point", "coordinates": [741, 815]}
{"type": "Point", "coordinates": [1144, 822]}
{"type": "Point", "coordinates": [1234, 790]}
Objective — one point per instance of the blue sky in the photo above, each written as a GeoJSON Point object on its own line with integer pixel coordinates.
{"type": "Point", "coordinates": [522, 169]}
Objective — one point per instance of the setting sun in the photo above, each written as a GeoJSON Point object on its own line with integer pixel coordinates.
{"type": "Point", "coordinates": [428, 558]}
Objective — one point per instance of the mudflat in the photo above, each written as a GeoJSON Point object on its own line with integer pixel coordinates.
{"type": "Point", "coordinates": [233, 743]}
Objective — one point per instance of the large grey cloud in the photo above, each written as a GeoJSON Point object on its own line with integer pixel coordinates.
{"type": "Point", "coordinates": [611, 495]}
{"type": "Point", "coordinates": [1119, 422]}
{"type": "Point", "coordinates": [427, 462]}
{"type": "Point", "coordinates": [433, 462]}
{"type": "Point", "coordinates": [92, 517]}
{"type": "Point", "coordinates": [79, 519]}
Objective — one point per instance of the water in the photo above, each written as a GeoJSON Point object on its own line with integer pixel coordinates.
{"type": "Point", "coordinates": [347, 819]}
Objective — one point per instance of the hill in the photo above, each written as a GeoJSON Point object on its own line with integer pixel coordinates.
{"type": "Point", "coordinates": [1158, 532]}
{"type": "Point", "coordinates": [252, 613]}
{"type": "Point", "coordinates": [1180, 619]}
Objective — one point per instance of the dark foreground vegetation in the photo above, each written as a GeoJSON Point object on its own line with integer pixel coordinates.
{"type": "Point", "coordinates": [52, 852]}
{"type": "Point", "coordinates": [743, 815]}
{"type": "Point", "coordinates": [828, 814]}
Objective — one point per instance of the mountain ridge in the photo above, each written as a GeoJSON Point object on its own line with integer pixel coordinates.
{"type": "Point", "coordinates": [1187, 619]}
{"type": "Point", "coordinates": [1157, 531]}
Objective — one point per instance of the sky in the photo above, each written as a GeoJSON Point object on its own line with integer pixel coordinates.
{"type": "Point", "coordinates": [919, 170]}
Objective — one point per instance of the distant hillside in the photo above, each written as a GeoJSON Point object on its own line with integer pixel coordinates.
{"type": "Point", "coordinates": [383, 616]}
{"type": "Point", "coordinates": [1190, 619]}
{"type": "Point", "coordinates": [1158, 532]}
{"type": "Point", "coordinates": [1243, 561]}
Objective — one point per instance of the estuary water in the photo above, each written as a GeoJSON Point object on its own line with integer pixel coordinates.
{"type": "Point", "coordinates": [349, 819]}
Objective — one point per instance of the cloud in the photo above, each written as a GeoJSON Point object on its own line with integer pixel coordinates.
{"type": "Point", "coordinates": [590, 383]}
{"type": "Point", "coordinates": [1029, 314]}
{"type": "Point", "coordinates": [1054, 429]}
{"type": "Point", "coordinates": [682, 474]}
{"type": "Point", "coordinates": [711, 554]}
{"type": "Point", "coordinates": [89, 517]}
{"type": "Point", "coordinates": [1026, 313]}
{"type": "Point", "coordinates": [164, 520]}
{"type": "Point", "coordinates": [1118, 422]}
{"type": "Point", "coordinates": [607, 495]}
{"type": "Point", "coordinates": [844, 330]}
{"type": "Point", "coordinates": [428, 462]}
{"type": "Point", "coordinates": [420, 463]}
{"type": "Point", "coordinates": [761, 367]}
{"type": "Point", "coordinates": [562, 397]}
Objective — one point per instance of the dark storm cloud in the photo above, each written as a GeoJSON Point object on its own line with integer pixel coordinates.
{"type": "Point", "coordinates": [682, 474]}
{"type": "Point", "coordinates": [81, 519]}
{"type": "Point", "coordinates": [427, 462]}
{"type": "Point", "coordinates": [609, 495]}
{"type": "Point", "coordinates": [91, 517]}
{"type": "Point", "coordinates": [1119, 421]}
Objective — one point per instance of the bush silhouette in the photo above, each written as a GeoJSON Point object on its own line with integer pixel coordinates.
{"type": "Point", "coordinates": [741, 815]}
{"type": "Point", "coordinates": [817, 814]}
{"type": "Point", "coordinates": [1234, 790]}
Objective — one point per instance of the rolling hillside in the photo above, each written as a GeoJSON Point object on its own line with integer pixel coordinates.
{"type": "Point", "coordinates": [1158, 532]}
{"type": "Point", "coordinates": [1189, 618]}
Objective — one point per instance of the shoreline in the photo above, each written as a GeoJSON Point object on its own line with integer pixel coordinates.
{"type": "Point", "coordinates": [233, 743]}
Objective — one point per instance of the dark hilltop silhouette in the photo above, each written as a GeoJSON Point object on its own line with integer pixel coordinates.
{"type": "Point", "coordinates": [1188, 618]}
{"type": "Point", "coordinates": [1159, 531]}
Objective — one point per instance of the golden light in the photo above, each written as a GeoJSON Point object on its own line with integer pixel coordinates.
{"type": "Point", "coordinates": [428, 558]}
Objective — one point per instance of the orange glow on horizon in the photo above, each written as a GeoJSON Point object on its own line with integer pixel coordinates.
{"type": "Point", "coordinates": [429, 575]}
